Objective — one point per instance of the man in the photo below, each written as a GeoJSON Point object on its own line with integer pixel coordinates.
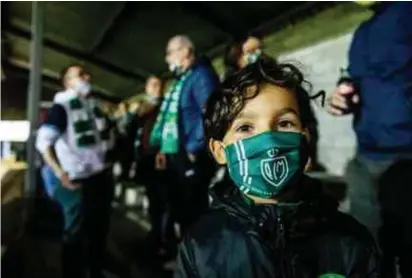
{"type": "Point", "coordinates": [74, 142]}
{"type": "Point", "coordinates": [378, 90]}
{"type": "Point", "coordinates": [178, 131]}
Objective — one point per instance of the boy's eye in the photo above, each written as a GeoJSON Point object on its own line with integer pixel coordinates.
{"type": "Point", "coordinates": [286, 125]}
{"type": "Point", "coordinates": [244, 128]}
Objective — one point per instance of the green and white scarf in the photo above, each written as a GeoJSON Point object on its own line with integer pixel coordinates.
{"type": "Point", "coordinates": [83, 114]}
{"type": "Point", "coordinates": [165, 133]}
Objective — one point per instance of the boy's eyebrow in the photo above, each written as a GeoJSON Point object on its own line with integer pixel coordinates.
{"type": "Point", "coordinates": [286, 110]}
{"type": "Point", "coordinates": [247, 114]}
{"type": "Point", "coordinates": [253, 114]}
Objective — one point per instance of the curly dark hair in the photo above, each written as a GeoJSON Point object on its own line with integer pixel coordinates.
{"type": "Point", "coordinates": [225, 103]}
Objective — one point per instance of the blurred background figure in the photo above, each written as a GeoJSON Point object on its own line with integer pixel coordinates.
{"type": "Point", "coordinates": [161, 235]}
{"type": "Point", "coordinates": [125, 140]}
{"type": "Point", "coordinates": [240, 53]}
{"type": "Point", "coordinates": [74, 142]}
{"type": "Point", "coordinates": [377, 89]}
{"type": "Point", "coordinates": [178, 132]}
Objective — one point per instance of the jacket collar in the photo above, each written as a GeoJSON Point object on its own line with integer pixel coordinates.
{"type": "Point", "coordinates": [300, 216]}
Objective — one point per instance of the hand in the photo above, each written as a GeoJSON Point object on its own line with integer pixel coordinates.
{"type": "Point", "coordinates": [67, 183]}
{"type": "Point", "coordinates": [339, 103]}
{"type": "Point", "coordinates": [160, 161]}
{"type": "Point", "coordinates": [192, 157]}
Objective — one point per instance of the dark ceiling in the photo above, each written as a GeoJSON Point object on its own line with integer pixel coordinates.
{"type": "Point", "coordinates": [122, 43]}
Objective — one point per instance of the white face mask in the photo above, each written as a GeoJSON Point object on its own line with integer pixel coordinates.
{"type": "Point", "coordinates": [83, 88]}
{"type": "Point", "coordinates": [175, 68]}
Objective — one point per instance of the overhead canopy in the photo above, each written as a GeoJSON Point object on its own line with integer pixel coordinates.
{"type": "Point", "coordinates": [122, 43]}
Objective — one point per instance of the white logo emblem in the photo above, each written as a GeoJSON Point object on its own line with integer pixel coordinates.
{"type": "Point", "coordinates": [274, 170]}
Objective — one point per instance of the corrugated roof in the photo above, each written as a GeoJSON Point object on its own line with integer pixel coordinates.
{"type": "Point", "coordinates": [122, 43]}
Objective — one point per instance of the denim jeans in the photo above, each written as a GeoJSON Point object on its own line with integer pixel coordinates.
{"type": "Point", "coordinates": [69, 200]}
{"type": "Point", "coordinates": [86, 214]}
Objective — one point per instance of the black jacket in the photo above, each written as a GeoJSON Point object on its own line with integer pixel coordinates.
{"type": "Point", "coordinates": [239, 239]}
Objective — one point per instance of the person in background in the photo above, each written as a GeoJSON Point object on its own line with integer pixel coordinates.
{"type": "Point", "coordinates": [125, 117]}
{"type": "Point", "coordinates": [74, 142]}
{"type": "Point", "coordinates": [377, 89]}
{"type": "Point", "coordinates": [273, 221]}
{"type": "Point", "coordinates": [241, 53]}
{"type": "Point", "coordinates": [155, 179]}
{"type": "Point", "coordinates": [145, 112]}
{"type": "Point", "coordinates": [178, 131]}
{"type": "Point", "coordinates": [126, 135]}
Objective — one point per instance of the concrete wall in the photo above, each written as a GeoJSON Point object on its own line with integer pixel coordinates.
{"type": "Point", "coordinates": [321, 64]}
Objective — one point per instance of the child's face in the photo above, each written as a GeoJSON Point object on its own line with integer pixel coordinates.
{"type": "Point", "coordinates": [273, 109]}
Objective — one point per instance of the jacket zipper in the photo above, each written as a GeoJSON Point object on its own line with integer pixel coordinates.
{"type": "Point", "coordinates": [286, 269]}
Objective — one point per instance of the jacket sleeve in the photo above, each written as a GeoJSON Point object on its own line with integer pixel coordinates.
{"type": "Point", "coordinates": [185, 261]}
{"type": "Point", "coordinates": [205, 83]}
{"type": "Point", "coordinates": [52, 129]}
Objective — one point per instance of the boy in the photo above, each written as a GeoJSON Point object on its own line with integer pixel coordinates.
{"type": "Point", "coordinates": [271, 220]}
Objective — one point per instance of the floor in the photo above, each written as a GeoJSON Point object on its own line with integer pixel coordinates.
{"type": "Point", "coordinates": [37, 252]}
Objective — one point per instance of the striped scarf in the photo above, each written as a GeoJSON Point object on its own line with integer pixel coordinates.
{"type": "Point", "coordinates": [166, 130]}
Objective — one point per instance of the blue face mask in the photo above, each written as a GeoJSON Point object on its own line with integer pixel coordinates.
{"type": "Point", "coordinates": [265, 164]}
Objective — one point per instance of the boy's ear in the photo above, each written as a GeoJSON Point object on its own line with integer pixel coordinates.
{"type": "Point", "coordinates": [217, 149]}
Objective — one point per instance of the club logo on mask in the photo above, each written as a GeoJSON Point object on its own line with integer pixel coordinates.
{"type": "Point", "coordinates": [274, 169]}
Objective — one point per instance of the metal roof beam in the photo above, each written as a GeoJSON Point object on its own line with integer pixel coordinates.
{"type": "Point", "coordinates": [204, 12]}
{"type": "Point", "coordinates": [77, 54]}
{"type": "Point", "coordinates": [108, 33]}
{"type": "Point", "coordinates": [50, 81]}
{"type": "Point", "coordinates": [21, 72]}
{"type": "Point", "coordinates": [290, 16]}
{"type": "Point", "coordinates": [276, 23]}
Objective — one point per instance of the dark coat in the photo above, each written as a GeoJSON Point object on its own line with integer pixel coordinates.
{"type": "Point", "coordinates": [239, 239]}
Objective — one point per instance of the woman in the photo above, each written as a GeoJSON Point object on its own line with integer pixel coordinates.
{"type": "Point", "coordinates": [241, 53]}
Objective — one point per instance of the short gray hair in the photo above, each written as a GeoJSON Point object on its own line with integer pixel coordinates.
{"type": "Point", "coordinates": [184, 41]}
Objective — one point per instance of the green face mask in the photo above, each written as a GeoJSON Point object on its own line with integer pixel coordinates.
{"type": "Point", "coordinates": [265, 164]}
